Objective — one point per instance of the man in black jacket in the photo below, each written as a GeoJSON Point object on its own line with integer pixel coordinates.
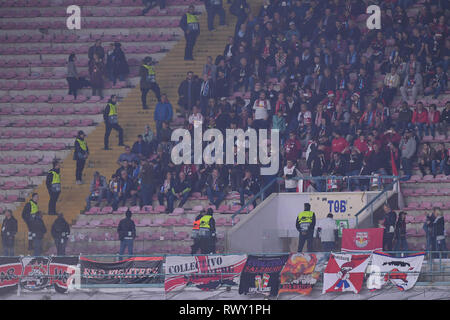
{"type": "Point", "coordinates": [127, 234]}
{"type": "Point", "coordinates": [239, 8]}
{"type": "Point", "coordinates": [81, 153]}
{"type": "Point", "coordinates": [111, 122]}
{"type": "Point", "coordinates": [390, 218]}
{"type": "Point", "coordinates": [249, 186]}
{"type": "Point", "coordinates": [96, 49]}
{"type": "Point", "coordinates": [207, 233]}
{"type": "Point", "coordinates": [53, 186]}
{"type": "Point", "coordinates": [213, 8]}
{"type": "Point", "coordinates": [38, 230]}
{"type": "Point", "coordinates": [29, 211]}
{"type": "Point", "coordinates": [60, 233]}
{"type": "Point", "coordinates": [189, 92]}
{"type": "Point", "coordinates": [181, 191]}
{"type": "Point", "coordinates": [191, 28]}
{"type": "Point", "coordinates": [305, 224]}
{"type": "Point", "coordinates": [9, 230]}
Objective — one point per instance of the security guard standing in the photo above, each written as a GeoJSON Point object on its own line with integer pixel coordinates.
{"type": "Point", "coordinates": [38, 229]}
{"type": "Point", "coordinates": [195, 233]}
{"type": "Point", "coordinates": [28, 212]}
{"type": "Point", "coordinates": [80, 155]}
{"type": "Point", "coordinates": [213, 8]}
{"type": "Point", "coordinates": [111, 121]}
{"type": "Point", "coordinates": [148, 81]}
{"type": "Point", "coordinates": [191, 27]}
{"type": "Point", "coordinates": [207, 233]}
{"type": "Point", "coordinates": [60, 233]}
{"type": "Point", "coordinates": [53, 186]}
{"type": "Point", "coordinates": [305, 224]}
{"type": "Point", "coordinates": [127, 233]}
{"type": "Point", "coordinates": [9, 230]}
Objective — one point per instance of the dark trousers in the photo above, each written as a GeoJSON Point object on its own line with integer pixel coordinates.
{"type": "Point", "coordinates": [388, 239]}
{"type": "Point", "coordinates": [52, 203]}
{"type": "Point", "coordinates": [79, 170]}
{"type": "Point", "coordinates": [301, 242]}
{"type": "Point", "coordinates": [97, 92]}
{"type": "Point", "coordinates": [207, 245]}
{"type": "Point", "coordinates": [327, 246]}
{"type": "Point", "coordinates": [116, 127]}
{"type": "Point", "coordinates": [8, 247]}
{"type": "Point", "coordinates": [219, 195]}
{"type": "Point", "coordinates": [73, 86]}
{"type": "Point", "coordinates": [60, 247]}
{"type": "Point", "coordinates": [191, 38]}
{"type": "Point", "coordinates": [407, 167]}
{"type": "Point", "coordinates": [37, 247]}
{"type": "Point", "coordinates": [126, 244]}
{"type": "Point", "coordinates": [147, 191]}
{"type": "Point", "coordinates": [171, 199]}
{"type": "Point", "coordinates": [240, 20]}
{"type": "Point", "coordinates": [155, 88]}
{"type": "Point", "coordinates": [195, 246]}
{"type": "Point", "coordinates": [212, 12]}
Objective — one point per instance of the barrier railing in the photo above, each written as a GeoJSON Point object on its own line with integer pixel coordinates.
{"type": "Point", "coordinates": [348, 179]}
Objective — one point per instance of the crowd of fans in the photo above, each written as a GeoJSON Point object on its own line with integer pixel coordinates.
{"type": "Point", "coordinates": [308, 69]}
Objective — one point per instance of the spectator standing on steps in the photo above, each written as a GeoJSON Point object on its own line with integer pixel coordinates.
{"type": "Point", "coordinates": [28, 212]}
{"type": "Point", "coordinates": [110, 115]}
{"type": "Point", "coordinates": [305, 224]}
{"type": "Point", "coordinates": [148, 81]}
{"type": "Point", "coordinates": [439, 230]}
{"type": "Point", "coordinates": [96, 49]}
{"type": "Point", "coordinates": [127, 234]}
{"type": "Point", "coordinates": [97, 191]}
{"type": "Point", "coordinates": [327, 231]}
{"type": "Point", "coordinates": [80, 155]}
{"type": "Point", "coordinates": [38, 230]}
{"type": "Point", "coordinates": [400, 233]}
{"type": "Point", "coordinates": [188, 92]}
{"type": "Point", "coordinates": [213, 8]}
{"type": "Point", "coordinates": [9, 231]}
{"type": "Point", "coordinates": [390, 219]}
{"type": "Point", "coordinates": [163, 112]}
{"type": "Point", "coordinates": [53, 186]}
{"type": "Point", "coordinates": [191, 28]}
{"type": "Point", "coordinates": [60, 233]}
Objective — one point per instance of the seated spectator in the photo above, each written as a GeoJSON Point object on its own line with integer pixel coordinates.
{"type": "Point", "coordinates": [249, 186]}
{"type": "Point", "coordinates": [433, 121]}
{"type": "Point", "coordinates": [412, 85]}
{"type": "Point", "coordinates": [424, 159]}
{"type": "Point", "coordinates": [438, 83]}
{"type": "Point", "coordinates": [140, 148]}
{"type": "Point", "coordinates": [354, 166]}
{"type": "Point", "coordinates": [292, 148]}
{"type": "Point", "coordinates": [148, 181]}
{"type": "Point", "coordinates": [391, 83]}
{"type": "Point", "coordinates": [439, 160]}
{"type": "Point", "coordinates": [261, 109]}
{"type": "Point", "coordinates": [404, 118]}
{"type": "Point", "coordinates": [215, 187]}
{"type": "Point", "coordinates": [97, 190]}
{"type": "Point", "coordinates": [165, 189]}
{"type": "Point", "coordinates": [127, 155]}
{"type": "Point", "coordinates": [407, 148]}
{"type": "Point", "coordinates": [180, 191]}
{"type": "Point", "coordinates": [127, 190]}
{"type": "Point", "coordinates": [420, 119]}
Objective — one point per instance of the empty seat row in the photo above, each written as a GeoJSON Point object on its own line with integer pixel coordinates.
{"type": "Point", "coordinates": [24, 172]}
{"type": "Point", "coordinates": [46, 123]}
{"type": "Point", "coordinates": [428, 178]}
{"type": "Point", "coordinates": [33, 159]}
{"type": "Point", "coordinates": [427, 205]}
{"type": "Point", "coordinates": [426, 192]}
{"type": "Point", "coordinates": [106, 3]}
{"type": "Point", "coordinates": [51, 111]}
{"type": "Point", "coordinates": [56, 146]}
{"type": "Point", "coordinates": [12, 185]}
{"type": "Point", "coordinates": [21, 134]}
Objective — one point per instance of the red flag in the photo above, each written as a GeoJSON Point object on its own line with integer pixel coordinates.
{"type": "Point", "coordinates": [358, 240]}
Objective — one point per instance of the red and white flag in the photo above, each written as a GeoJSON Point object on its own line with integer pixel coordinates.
{"type": "Point", "coordinates": [362, 240]}
{"type": "Point", "coordinates": [345, 272]}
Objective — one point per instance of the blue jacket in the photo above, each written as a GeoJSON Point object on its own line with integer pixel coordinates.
{"type": "Point", "coordinates": [163, 111]}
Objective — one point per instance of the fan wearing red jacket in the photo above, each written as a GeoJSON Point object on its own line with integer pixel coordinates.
{"type": "Point", "coordinates": [292, 148]}
{"type": "Point", "coordinates": [420, 118]}
{"type": "Point", "coordinates": [339, 144]}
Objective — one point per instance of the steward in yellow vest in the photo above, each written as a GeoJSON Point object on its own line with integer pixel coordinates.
{"type": "Point", "coordinates": [28, 213]}
{"type": "Point", "coordinates": [305, 224]}
{"type": "Point", "coordinates": [54, 186]}
{"type": "Point", "coordinates": [80, 155]}
{"type": "Point", "coordinates": [191, 28]}
{"type": "Point", "coordinates": [111, 122]}
{"type": "Point", "coordinates": [148, 81]}
{"type": "Point", "coordinates": [207, 233]}
{"type": "Point", "coordinates": [195, 233]}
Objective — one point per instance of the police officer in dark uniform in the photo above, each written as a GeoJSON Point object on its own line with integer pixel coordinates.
{"type": "Point", "coordinates": [38, 230]}
{"type": "Point", "coordinates": [28, 212]}
{"type": "Point", "coordinates": [127, 233]}
{"type": "Point", "coordinates": [148, 81]}
{"type": "Point", "coordinates": [111, 121]}
{"type": "Point", "coordinates": [191, 27]}
{"type": "Point", "coordinates": [9, 230]}
{"type": "Point", "coordinates": [305, 224]}
{"type": "Point", "coordinates": [53, 186]}
{"type": "Point", "coordinates": [60, 233]}
{"type": "Point", "coordinates": [207, 233]}
{"type": "Point", "coordinates": [195, 233]}
{"type": "Point", "coordinates": [80, 155]}
{"type": "Point", "coordinates": [214, 7]}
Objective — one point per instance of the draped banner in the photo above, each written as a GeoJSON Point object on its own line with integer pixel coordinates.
{"type": "Point", "coordinates": [362, 240]}
{"type": "Point", "coordinates": [61, 268]}
{"type": "Point", "coordinates": [10, 271]}
{"type": "Point", "coordinates": [261, 275]}
{"type": "Point", "coordinates": [299, 274]}
{"type": "Point", "coordinates": [401, 272]}
{"type": "Point", "coordinates": [345, 273]}
{"type": "Point", "coordinates": [203, 272]}
{"type": "Point", "coordinates": [130, 271]}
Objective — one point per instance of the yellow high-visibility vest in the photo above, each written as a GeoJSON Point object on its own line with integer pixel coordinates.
{"type": "Point", "coordinates": [34, 207]}
{"type": "Point", "coordinates": [192, 21]}
{"type": "Point", "coordinates": [204, 222]}
{"type": "Point", "coordinates": [305, 217]}
{"type": "Point", "coordinates": [82, 144]}
{"type": "Point", "coordinates": [56, 177]}
{"type": "Point", "coordinates": [112, 109]}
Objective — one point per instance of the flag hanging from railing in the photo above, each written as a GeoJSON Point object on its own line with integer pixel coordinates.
{"type": "Point", "coordinates": [362, 240]}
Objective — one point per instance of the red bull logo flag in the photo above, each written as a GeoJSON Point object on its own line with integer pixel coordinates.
{"type": "Point", "coordinates": [362, 240]}
{"type": "Point", "coordinates": [205, 273]}
{"type": "Point", "coordinates": [345, 272]}
{"type": "Point", "coordinates": [400, 272]}
{"type": "Point", "coordinates": [301, 272]}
